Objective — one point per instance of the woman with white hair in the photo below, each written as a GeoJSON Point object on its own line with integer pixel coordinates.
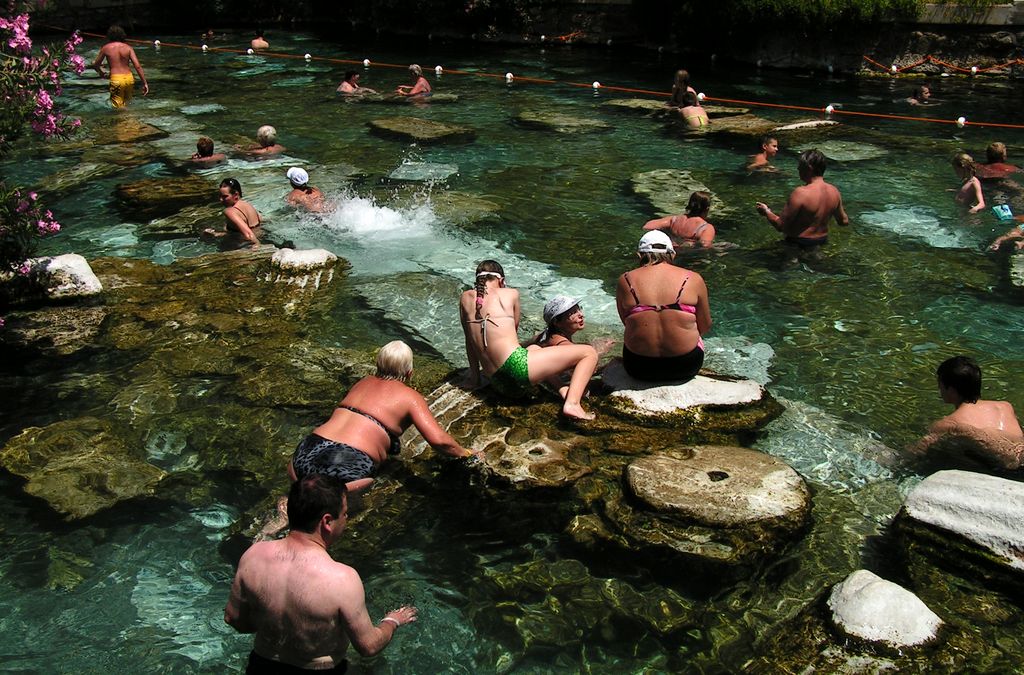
{"type": "Point", "coordinates": [420, 87]}
{"type": "Point", "coordinates": [364, 430]}
{"type": "Point", "coordinates": [266, 136]}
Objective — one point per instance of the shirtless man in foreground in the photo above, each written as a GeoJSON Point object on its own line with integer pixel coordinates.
{"type": "Point", "coordinates": [303, 606]}
{"type": "Point", "coordinates": [121, 58]}
{"type": "Point", "coordinates": [989, 427]}
{"type": "Point", "coordinates": [804, 220]}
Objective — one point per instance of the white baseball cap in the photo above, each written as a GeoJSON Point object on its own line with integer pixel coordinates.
{"type": "Point", "coordinates": [557, 306]}
{"type": "Point", "coordinates": [655, 241]}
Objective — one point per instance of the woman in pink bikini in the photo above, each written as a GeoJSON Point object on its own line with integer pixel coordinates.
{"type": "Point", "coordinates": [690, 229]}
{"type": "Point", "coordinates": [665, 312]}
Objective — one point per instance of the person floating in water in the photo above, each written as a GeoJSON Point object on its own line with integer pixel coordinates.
{"type": "Point", "coordinates": [970, 186]}
{"type": "Point", "coordinates": [763, 159]}
{"type": "Point", "coordinates": [420, 86]}
{"type": "Point", "coordinates": [303, 606]}
{"type": "Point", "coordinates": [987, 429]}
{"type": "Point", "coordinates": [804, 220]}
{"type": "Point", "coordinates": [1016, 233]}
{"type": "Point", "coordinates": [922, 96]}
{"type": "Point", "coordinates": [266, 138]}
{"type": "Point", "coordinates": [204, 153]}
{"type": "Point", "coordinates": [240, 217]}
{"type": "Point", "coordinates": [995, 165]}
{"type": "Point", "coordinates": [259, 42]}
{"type": "Point", "coordinates": [690, 229]}
{"type": "Point", "coordinates": [121, 58]}
{"type": "Point", "coordinates": [490, 318]}
{"type": "Point", "coordinates": [350, 85]}
{"type": "Point", "coordinates": [303, 194]}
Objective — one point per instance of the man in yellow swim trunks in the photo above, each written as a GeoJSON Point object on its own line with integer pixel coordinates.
{"type": "Point", "coordinates": [120, 57]}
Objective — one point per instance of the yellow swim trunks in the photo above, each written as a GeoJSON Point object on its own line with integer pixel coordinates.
{"type": "Point", "coordinates": [122, 87]}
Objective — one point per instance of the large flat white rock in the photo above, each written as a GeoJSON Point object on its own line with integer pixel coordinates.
{"type": "Point", "coordinates": [655, 398]}
{"type": "Point", "coordinates": [302, 261]}
{"type": "Point", "coordinates": [66, 276]}
{"type": "Point", "coordinates": [983, 509]}
{"type": "Point", "coordinates": [869, 607]}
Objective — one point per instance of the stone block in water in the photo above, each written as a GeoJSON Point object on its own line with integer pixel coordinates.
{"type": "Point", "coordinates": [1017, 270]}
{"type": "Point", "coordinates": [158, 197]}
{"type": "Point", "coordinates": [79, 466]}
{"type": "Point", "coordinates": [560, 122]}
{"type": "Point", "coordinates": [420, 130]}
{"type": "Point", "coordinates": [868, 607]}
{"type": "Point", "coordinates": [972, 511]}
{"type": "Point", "coordinates": [290, 261]}
{"type": "Point", "coordinates": [669, 190]}
{"type": "Point", "coordinates": [74, 177]}
{"type": "Point", "coordinates": [65, 277]}
{"type": "Point", "coordinates": [712, 402]}
{"type": "Point", "coordinates": [126, 130]}
{"type": "Point", "coordinates": [424, 172]}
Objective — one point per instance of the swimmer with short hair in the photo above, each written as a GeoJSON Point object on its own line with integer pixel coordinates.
{"type": "Point", "coordinates": [970, 188]}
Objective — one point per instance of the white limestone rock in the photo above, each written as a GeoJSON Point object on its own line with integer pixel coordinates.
{"type": "Point", "coordinates": [986, 510]}
{"type": "Point", "coordinates": [65, 276]}
{"type": "Point", "coordinates": [653, 399]}
{"type": "Point", "coordinates": [290, 261]}
{"type": "Point", "coordinates": [866, 606]}
{"type": "Point", "coordinates": [721, 486]}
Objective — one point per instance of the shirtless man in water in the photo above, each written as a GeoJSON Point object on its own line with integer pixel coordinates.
{"type": "Point", "coordinates": [804, 220]}
{"type": "Point", "coordinates": [991, 426]}
{"type": "Point", "coordinates": [121, 58]}
{"type": "Point", "coordinates": [303, 606]}
{"type": "Point", "coordinates": [763, 159]}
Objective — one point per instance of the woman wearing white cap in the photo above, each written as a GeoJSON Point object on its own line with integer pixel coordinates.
{"type": "Point", "coordinates": [490, 318]}
{"type": "Point", "coordinates": [564, 318]}
{"type": "Point", "coordinates": [665, 312]}
{"type": "Point", "coordinates": [303, 194]}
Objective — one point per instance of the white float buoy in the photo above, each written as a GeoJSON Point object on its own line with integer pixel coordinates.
{"type": "Point", "coordinates": [366, 63]}
{"type": "Point", "coordinates": [307, 56]}
{"type": "Point", "coordinates": [156, 43]}
{"type": "Point", "coordinates": [961, 121]}
{"type": "Point", "coordinates": [700, 97]}
{"type": "Point", "coordinates": [829, 69]}
{"type": "Point", "coordinates": [438, 70]}
{"type": "Point", "coordinates": [713, 57]}
{"type": "Point", "coordinates": [509, 78]}
{"type": "Point", "coordinates": [944, 75]}
{"type": "Point", "coordinates": [596, 85]}
{"type": "Point", "coordinates": [609, 43]}
{"type": "Point", "coordinates": [974, 70]}
{"type": "Point", "coordinates": [759, 63]}
{"type": "Point", "coordinates": [660, 49]}
{"type": "Point", "coordinates": [893, 68]}
{"type": "Point", "coordinates": [205, 48]}
{"type": "Point", "coordinates": [829, 109]}
{"type": "Point", "coordinates": [543, 38]}
{"type": "Point", "coordinates": [249, 51]}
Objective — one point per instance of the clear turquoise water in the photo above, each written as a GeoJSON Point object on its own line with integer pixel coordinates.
{"type": "Point", "coordinates": [850, 341]}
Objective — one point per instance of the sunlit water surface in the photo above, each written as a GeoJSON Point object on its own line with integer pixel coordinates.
{"type": "Point", "coordinates": [849, 341]}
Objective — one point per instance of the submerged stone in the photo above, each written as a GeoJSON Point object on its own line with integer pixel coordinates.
{"type": "Point", "coordinates": [395, 99]}
{"type": "Point", "coordinates": [126, 130]}
{"type": "Point", "coordinates": [289, 261]}
{"type": "Point", "coordinates": [560, 122]}
{"type": "Point", "coordinates": [424, 172]}
{"type": "Point", "coordinates": [75, 176]}
{"type": "Point", "coordinates": [158, 197]}
{"type": "Point", "coordinates": [669, 190]}
{"type": "Point", "coordinates": [868, 607]}
{"type": "Point", "coordinates": [1017, 270]}
{"type": "Point", "coordinates": [53, 330]}
{"type": "Point", "coordinates": [845, 151]}
{"type": "Point", "coordinates": [79, 466]}
{"type": "Point", "coordinates": [984, 510]}
{"type": "Point", "coordinates": [648, 106]}
{"type": "Point", "coordinates": [754, 127]}
{"type": "Point", "coordinates": [535, 463]}
{"type": "Point", "coordinates": [420, 130]}
{"type": "Point", "coordinates": [187, 223]}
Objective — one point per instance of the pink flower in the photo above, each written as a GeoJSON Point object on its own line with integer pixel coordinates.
{"type": "Point", "coordinates": [78, 63]}
{"type": "Point", "coordinates": [22, 207]}
{"type": "Point", "coordinates": [24, 269]}
{"type": "Point", "coordinates": [33, 196]}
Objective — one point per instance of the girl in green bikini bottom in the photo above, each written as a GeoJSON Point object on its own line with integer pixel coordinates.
{"type": "Point", "coordinates": [490, 320]}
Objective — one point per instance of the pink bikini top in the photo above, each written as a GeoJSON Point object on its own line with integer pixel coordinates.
{"type": "Point", "coordinates": [636, 309]}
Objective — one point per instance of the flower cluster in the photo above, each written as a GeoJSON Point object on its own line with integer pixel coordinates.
{"type": "Point", "coordinates": [30, 80]}
{"type": "Point", "coordinates": [24, 221]}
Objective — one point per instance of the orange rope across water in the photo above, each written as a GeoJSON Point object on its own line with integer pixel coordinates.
{"type": "Point", "coordinates": [595, 85]}
{"type": "Point", "coordinates": [931, 59]}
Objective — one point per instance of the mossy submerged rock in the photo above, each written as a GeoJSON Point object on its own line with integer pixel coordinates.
{"type": "Point", "coordinates": [660, 108]}
{"type": "Point", "coordinates": [668, 191]}
{"type": "Point", "coordinates": [187, 223]}
{"type": "Point", "coordinates": [395, 99]}
{"type": "Point", "coordinates": [754, 127]}
{"type": "Point", "coordinates": [1016, 263]}
{"type": "Point", "coordinates": [125, 130]}
{"type": "Point", "coordinates": [159, 197]}
{"type": "Point", "coordinates": [723, 505]}
{"type": "Point", "coordinates": [79, 466]}
{"type": "Point", "coordinates": [419, 130]}
{"type": "Point", "coordinates": [560, 122]}
{"type": "Point", "coordinates": [74, 177]}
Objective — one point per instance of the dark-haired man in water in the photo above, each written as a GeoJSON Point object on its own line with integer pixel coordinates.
{"type": "Point", "coordinates": [804, 220]}
{"type": "Point", "coordinates": [303, 606]}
